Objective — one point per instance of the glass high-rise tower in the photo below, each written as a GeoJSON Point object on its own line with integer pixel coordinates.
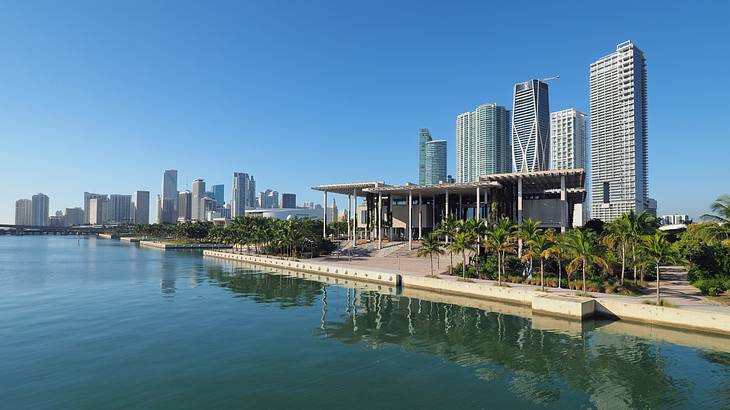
{"type": "Point", "coordinates": [424, 136]}
{"type": "Point", "coordinates": [435, 162]}
{"type": "Point", "coordinates": [168, 200]}
{"type": "Point", "coordinates": [619, 146]}
{"type": "Point", "coordinates": [482, 142]}
{"type": "Point", "coordinates": [530, 127]}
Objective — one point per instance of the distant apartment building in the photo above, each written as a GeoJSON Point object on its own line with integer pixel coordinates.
{"type": "Point", "coordinates": [88, 196]}
{"type": "Point", "coordinates": [218, 194]}
{"type": "Point", "coordinates": [568, 139]}
{"type": "Point", "coordinates": [168, 200]}
{"type": "Point", "coordinates": [120, 209]}
{"type": "Point", "coordinates": [483, 142]}
{"type": "Point", "coordinates": [619, 144]}
{"type": "Point", "coordinates": [99, 211]}
{"type": "Point", "coordinates": [424, 137]}
{"type": "Point", "coordinates": [198, 193]}
{"type": "Point", "coordinates": [24, 212]}
{"type": "Point", "coordinates": [74, 216]}
{"type": "Point", "coordinates": [269, 199]}
{"type": "Point", "coordinates": [57, 220]}
{"type": "Point", "coordinates": [674, 219]}
{"type": "Point", "coordinates": [39, 210]}
{"type": "Point", "coordinates": [141, 207]}
{"type": "Point", "coordinates": [530, 127]}
{"type": "Point", "coordinates": [288, 200]}
{"type": "Point", "coordinates": [435, 162]}
{"type": "Point", "coordinates": [239, 194]}
{"type": "Point", "coordinates": [184, 206]}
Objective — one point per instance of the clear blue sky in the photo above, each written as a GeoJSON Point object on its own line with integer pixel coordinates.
{"type": "Point", "coordinates": [103, 96]}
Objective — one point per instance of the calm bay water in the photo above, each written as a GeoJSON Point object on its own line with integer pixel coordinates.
{"type": "Point", "coordinates": [101, 324]}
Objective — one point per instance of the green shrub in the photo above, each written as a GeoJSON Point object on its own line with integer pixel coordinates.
{"type": "Point", "coordinates": [712, 287]}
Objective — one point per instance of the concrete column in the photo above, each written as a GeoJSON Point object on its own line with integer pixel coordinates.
{"type": "Point", "coordinates": [354, 223]}
{"type": "Point", "coordinates": [349, 216]}
{"type": "Point", "coordinates": [324, 216]}
{"type": "Point", "coordinates": [486, 204]}
{"type": "Point", "coordinates": [563, 205]}
{"type": "Point", "coordinates": [477, 210]}
{"type": "Point", "coordinates": [446, 207]}
{"type": "Point", "coordinates": [410, 220]}
{"type": "Point", "coordinates": [433, 213]}
{"type": "Point", "coordinates": [519, 200]}
{"type": "Point", "coordinates": [380, 214]}
{"type": "Point", "coordinates": [461, 208]}
{"type": "Point", "coordinates": [420, 216]}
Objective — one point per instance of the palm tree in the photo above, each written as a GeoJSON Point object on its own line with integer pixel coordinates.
{"type": "Point", "coordinates": [539, 247]}
{"type": "Point", "coordinates": [463, 242]}
{"type": "Point", "coordinates": [585, 252]}
{"type": "Point", "coordinates": [721, 216]}
{"type": "Point", "coordinates": [641, 224]}
{"type": "Point", "coordinates": [558, 251]}
{"type": "Point", "coordinates": [500, 241]}
{"type": "Point", "coordinates": [430, 246]}
{"type": "Point", "coordinates": [527, 231]}
{"type": "Point", "coordinates": [658, 249]}
{"type": "Point", "coordinates": [448, 228]}
{"type": "Point", "coordinates": [618, 235]}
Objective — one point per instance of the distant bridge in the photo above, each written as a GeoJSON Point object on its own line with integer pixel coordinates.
{"type": "Point", "coordinates": [8, 229]}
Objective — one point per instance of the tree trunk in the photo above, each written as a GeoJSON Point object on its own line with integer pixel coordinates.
{"type": "Point", "coordinates": [584, 276]}
{"type": "Point", "coordinates": [451, 263]}
{"type": "Point", "coordinates": [499, 268]}
{"type": "Point", "coordinates": [633, 256]}
{"type": "Point", "coordinates": [463, 265]}
{"type": "Point", "coordinates": [542, 277]}
{"type": "Point", "coordinates": [431, 255]}
{"type": "Point", "coordinates": [560, 274]}
{"type": "Point", "coordinates": [658, 295]}
{"type": "Point", "coordinates": [623, 262]}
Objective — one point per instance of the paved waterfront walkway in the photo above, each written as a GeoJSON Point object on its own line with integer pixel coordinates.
{"type": "Point", "coordinates": [675, 288]}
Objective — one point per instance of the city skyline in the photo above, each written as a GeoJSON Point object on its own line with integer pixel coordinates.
{"type": "Point", "coordinates": [248, 131]}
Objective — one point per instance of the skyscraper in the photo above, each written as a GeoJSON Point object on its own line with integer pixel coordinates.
{"type": "Point", "coordinates": [141, 207]}
{"type": "Point", "coordinates": [239, 194]}
{"type": "Point", "coordinates": [288, 200]}
{"type": "Point", "coordinates": [482, 142]}
{"type": "Point", "coordinates": [424, 136]}
{"type": "Point", "coordinates": [88, 196]}
{"type": "Point", "coordinates": [169, 196]}
{"type": "Point", "coordinates": [251, 195]}
{"type": "Point", "coordinates": [184, 203]}
{"type": "Point", "coordinates": [568, 144]}
{"type": "Point", "coordinates": [39, 211]}
{"type": "Point", "coordinates": [99, 211]}
{"type": "Point", "coordinates": [435, 162]}
{"type": "Point", "coordinates": [530, 127]}
{"type": "Point", "coordinates": [218, 194]}
{"type": "Point", "coordinates": [198, 193]}
{"type": "Point", "coordinates": [24, 212]}
{"type": "Point", "coordinates": [120, 211]}
{"type": "Point", "coordinates": [74, 216]}
{"type": "Point", "coordinates": [619, 140]}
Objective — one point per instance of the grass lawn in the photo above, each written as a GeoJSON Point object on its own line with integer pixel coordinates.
{"type": "Point", "coordinates": [724, 299]}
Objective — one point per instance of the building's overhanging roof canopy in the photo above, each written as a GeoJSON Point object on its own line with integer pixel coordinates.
{"type": "Point", "coordinates": [434, 189]}
{"type": "Point", "coordinates": [541, 180]}
{"type": "Point", "coordinates": [348, 189]}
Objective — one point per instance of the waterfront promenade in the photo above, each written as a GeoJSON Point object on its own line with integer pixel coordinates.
{"type": "Point", "coordinates": [689, 310]}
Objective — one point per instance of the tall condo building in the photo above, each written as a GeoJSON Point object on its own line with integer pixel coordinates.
{"type": "Point", "coordinates": [73, 216]}
{"type": "Point", "coordinates": [168, 202]}
{"type": "Point", "coordinates": [568, 139]}
{"type": "Point", "coordinates": [120, 208]}
{"type": "Point", "coordinates": [239, 194]}
{"type": "Point", "coordinates": [218, 194]}
{"type": "Point", "coordinates": [196, 208]}
{"type": "Point", "coordinates": [435, 162]}
{"type": "Point", "coordinates": [619, 146]}
{"type": "Point", "coordinates": [24, 212]}
{"type": "Point", "coordinates": [88, 196]}
{"type": "Point", "coordinates": [251, 195]}
{"type": "Point", "coordinates": [482, 142]}
{"type": "Point", "coordinates": [141, 207]}
{"type": "Point", "coordinates": [99, 211]}
{"type": "Point", "coordinates": [530, 127]}
{"type": "Point", "coordinates": [288, 200]}
{"type": "Point", "coordinates": [424, 136]}
{"type": "Point", "coordinates": [39, 211]}
{"type": "Point", "coordinates": [184, 202]}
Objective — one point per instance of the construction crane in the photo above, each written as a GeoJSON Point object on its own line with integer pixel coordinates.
{"type": "Point", "coordinates": [550, 78]}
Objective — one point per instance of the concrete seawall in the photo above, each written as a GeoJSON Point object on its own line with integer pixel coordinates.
{"type": "Point", "coordinates": [555, 305]}
{"type": "Point", "coordinates": [194, 246]}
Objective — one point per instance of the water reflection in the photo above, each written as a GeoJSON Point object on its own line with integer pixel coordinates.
{"type": "Point", "coordinates": [541, 358]}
